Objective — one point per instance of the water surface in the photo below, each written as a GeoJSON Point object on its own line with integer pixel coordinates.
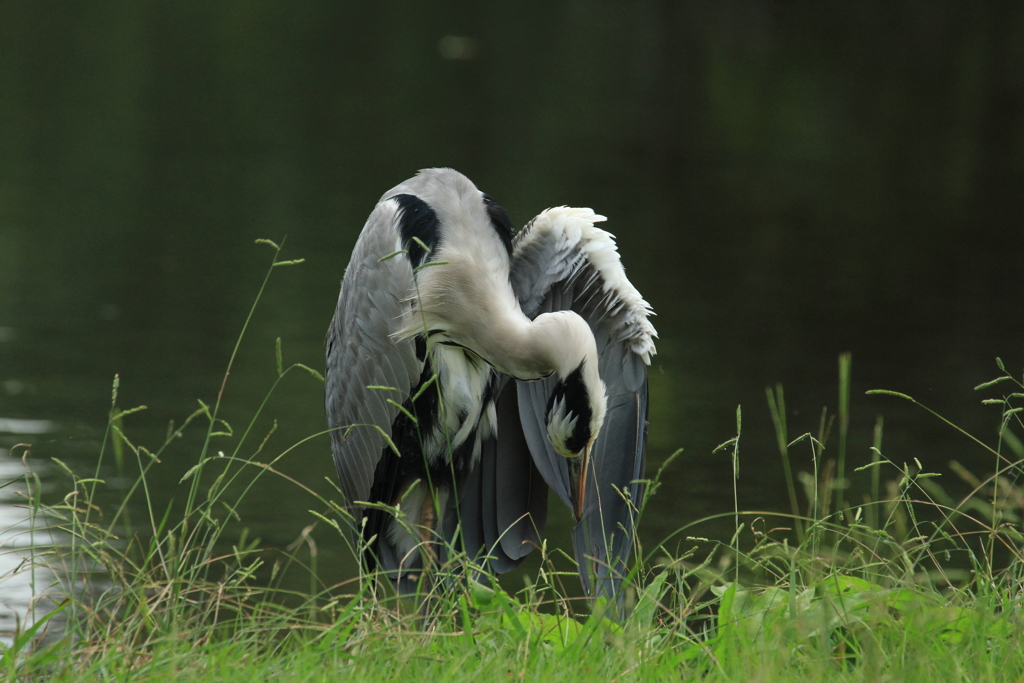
{"type": "Point", "coordinates": [787, 182]}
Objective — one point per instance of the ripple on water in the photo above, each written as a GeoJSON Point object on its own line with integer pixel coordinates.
{"type": "Point", "coordinates": [25, 579]}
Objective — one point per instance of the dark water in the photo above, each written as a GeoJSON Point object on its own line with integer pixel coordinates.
{"type": "Point", "coordinates": [787, 181]}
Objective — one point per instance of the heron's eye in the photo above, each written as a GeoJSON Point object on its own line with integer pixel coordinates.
{"type": "Point", "coordinates": [569, 414]}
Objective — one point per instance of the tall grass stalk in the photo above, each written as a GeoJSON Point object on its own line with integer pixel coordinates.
{"type": "Point", "coordinates": [845, 364]}
{"type": "Point", "coordinates": [874, 494]}
{"type": "Point", "coordinates": [777, 408]}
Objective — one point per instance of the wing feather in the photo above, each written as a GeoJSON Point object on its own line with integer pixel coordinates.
{"type": "Point", "coordinates": [521, 498]}
{"type": "Point", "coordinates": [361, 353]}
{"type": "Point", "coordinates": [504, 504]}
{"type": "Point", "coordinates": [562, 261]}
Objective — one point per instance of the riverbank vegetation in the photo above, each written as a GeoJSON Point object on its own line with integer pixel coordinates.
{"type": "Point", "coordinates": [905, 584]}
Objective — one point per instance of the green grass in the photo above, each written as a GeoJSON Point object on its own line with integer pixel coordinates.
{"type": "Point", "coordinates": [908, 585]}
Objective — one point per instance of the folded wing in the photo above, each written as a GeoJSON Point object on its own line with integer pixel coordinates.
{"type": "Point", "coordinates": [369, 374]}
{"type": "Point", "coordinates": [562, 261]}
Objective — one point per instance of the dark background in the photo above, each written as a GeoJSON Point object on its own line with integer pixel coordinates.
{"type": "Point", "coordinates": [787, 181]}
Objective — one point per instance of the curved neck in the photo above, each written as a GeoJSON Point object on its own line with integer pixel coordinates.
{"type": "Point", "coordinates": [470, 303]}
{"type": "Point", "coordinates": [552, 343]}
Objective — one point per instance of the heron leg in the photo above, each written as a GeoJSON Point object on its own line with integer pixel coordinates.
{"type": "Point", "coordinates": [428, 528]}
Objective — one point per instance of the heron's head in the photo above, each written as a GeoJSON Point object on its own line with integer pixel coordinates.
{"type": "Point", "coordinates": [575, 413]}
{"type": "Point", "coordinates": [563, 348]}
{"type": "Point", "coordinates": [575, 410]}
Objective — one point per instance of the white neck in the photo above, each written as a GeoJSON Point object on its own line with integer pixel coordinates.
{"type": "Point", "coordinates": [552, 343]}
{"type": "Point", "coordinates": [557, 342]}
{"type": "Point", "coordinates": [467, 299]}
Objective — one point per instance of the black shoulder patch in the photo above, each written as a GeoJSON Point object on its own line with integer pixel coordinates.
{"type": "Point", "coordinates": [500, 221]}
{"type": "Point", "coordinates": [577, 402]}
{"type": "Point", "coordinates": [416, 219]}
{"type": "Point", "coordinates": [421, 348]}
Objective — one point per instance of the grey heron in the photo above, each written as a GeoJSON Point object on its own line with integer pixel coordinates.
{"type": "Point", "coordinates": [470, 369]}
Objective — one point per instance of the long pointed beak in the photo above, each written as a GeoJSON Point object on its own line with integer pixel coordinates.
{"type": "Point", "coordinates": [578, 481]}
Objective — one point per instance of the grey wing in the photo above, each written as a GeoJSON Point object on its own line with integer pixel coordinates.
{"type": "Point", "coordinates": [369, 374]}
{"type": "Point", "coordinates": [503, 509]}
{"type": "Point", "coordinates": [562, 261]}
